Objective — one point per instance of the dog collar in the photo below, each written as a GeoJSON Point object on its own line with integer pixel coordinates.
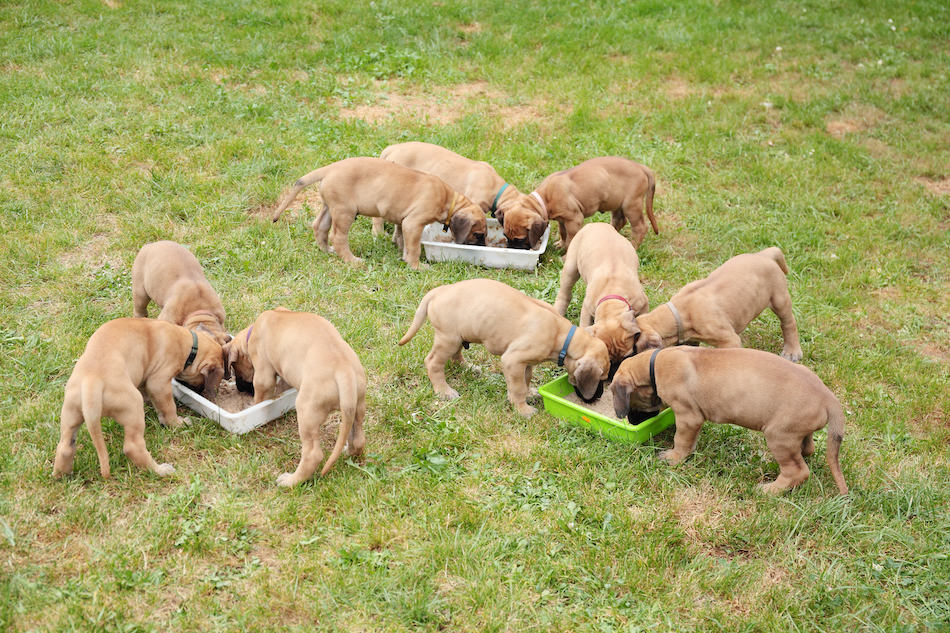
{"type": "Point", "coordinates": [194, 349]}
{"type": "Point", "coordinates": [544, 208]}
{"type": "Point", "coordinates": [653, 373]}
{"type": "Point", "coordinates": [448, 216]}
{"type": "Point", "coordinates": [494, 203]}
{"type": "Point", "coordinates": [248, 337]}
{"type": "Point", "coordinates": [617, 297]}
{"type": "Point", "coordinates": [567, 342]}
{"type": "Point", "coordinates": [679, 322]}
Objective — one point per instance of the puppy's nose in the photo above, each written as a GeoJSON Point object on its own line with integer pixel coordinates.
{"type": "Point", "coordinates": [479, 239]}
{"type": "Point", "coordinates": [521, 243]}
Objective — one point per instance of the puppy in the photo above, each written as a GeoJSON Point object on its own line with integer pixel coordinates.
{"type": "Point", "coordinates": [608, 183]}
{"type": "Point", "coordinates": [476, 180]}
{"type": "Point", "coordinates": [522, 330]}
{"type": "Point", "coordinates": [307, 352]}
{"type": "Point", "coordinates": [380, 188]}
{"type": "Point", "coordinates": [715, 310]}
{"type": "Point", "coordinates": [746, 387]}
{"type": "Point", "coordinates": [608, 263]}
{"type": "Point", "coordinates": [168, 274]}
{"type": "Point", "coordinates": [120, 357]}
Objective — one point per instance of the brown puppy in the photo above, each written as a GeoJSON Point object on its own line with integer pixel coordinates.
{"type": "Point", "coordinates": [608, 183]}
{"type": "Point", "coordinates": [608, 263]}
{"type": "Point", "coordinates": [380, 188]}
{"type": "Point", "coordinates": [715, 310]}
{"type": "Point", "coordinates": [522, 330]}
{"type": "Point", "coordinates": [746, 387]}
{"type": "Point", "coordinates": [168, 274]}
{"type": "Point", "coordinates": [120, 357]}
{"type": "Point", "coordinates": [307, 352]}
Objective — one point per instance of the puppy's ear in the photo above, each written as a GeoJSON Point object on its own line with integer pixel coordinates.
{"type": "Point", "coordinates": [648, 340]}
{"type": "Point", "coordinates": [228, 338]}
{"type": "Point", "coordinates": [500, 216]}
{"type": "Point", "coordinates": [621, 394]}
{"type": "Point", "coordinates": [535, 232]}
{"type": "Point", "coordinates": [629, 322]}
{"type": "Point", "coordinates": [212, 375]}
{"type": "Point", "coordinates": [461, 226]}
{"type": "Point", "coordinates": [587, 380]}
{"type": "Point", "coordinates": [226, 359]}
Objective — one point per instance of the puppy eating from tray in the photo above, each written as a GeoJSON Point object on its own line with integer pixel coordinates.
{"type": "Point", "coordinates": [522, 330]}
{"type": "Point", "coordinates": [746, 387]}
{"type": "Point", "coordinates": [308, 353]}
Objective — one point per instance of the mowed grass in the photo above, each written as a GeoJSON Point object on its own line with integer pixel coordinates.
{"type": "Point", "coordinates": [820, 129]}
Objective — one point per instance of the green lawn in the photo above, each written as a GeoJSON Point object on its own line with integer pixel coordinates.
{"type": "Point", "coordinates": [824, 130]}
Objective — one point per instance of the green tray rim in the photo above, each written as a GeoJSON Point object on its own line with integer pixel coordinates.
{"type": "Point", "coordinates": [610, 428]}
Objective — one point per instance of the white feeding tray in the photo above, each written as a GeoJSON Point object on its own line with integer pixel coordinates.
{"type": "Point", "coordinates": [439, 247]}
{"type": "Point", "coordinates": [243, 421]}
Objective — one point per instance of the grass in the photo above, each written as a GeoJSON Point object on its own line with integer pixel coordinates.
{"type": "Point", "coordinates": [821, 129]}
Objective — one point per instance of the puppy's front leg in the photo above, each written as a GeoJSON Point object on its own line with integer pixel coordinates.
{"type": "Point", "coordinates": [515, 371]}
{"type": "Point", "coordinates": [781, 304]}
{"type": "Point", "coordinates": [688, 424]}
{"type": "Point", "coordinates": [159, 390]}
{"type": "Point", "coordinates": [412, 238]}
{"type": "Point", "coordinates": [265, 383]}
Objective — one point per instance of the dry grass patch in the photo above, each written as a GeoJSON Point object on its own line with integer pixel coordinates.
{"type": "Point", "coordinates": [856, 118]}
{"type": "Point", "coordinates": [512, 443]}
{"type": "Point", "coordinates": [939, 187]}
{"type": "Point", "coordinates": [444, 107]}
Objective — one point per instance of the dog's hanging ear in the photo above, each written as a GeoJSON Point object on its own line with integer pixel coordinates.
{"type": "Point", "coordinates": [621, 394]}
{"type": "Point", "coordinates": [500, 216]}
{"type": "Point", "coordinates": [212, 377]}
{"type": "Point", "coordinates": [587, 381]}
{"type": "Point", "coordinates": [535, 233]}
{"type": "Point", "coordinates": [461, 226]}
{"type": "Point", "coordinates": [225, 358]}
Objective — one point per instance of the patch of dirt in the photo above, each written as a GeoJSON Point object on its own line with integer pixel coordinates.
{"type": "Point", "coordinates": [112, 4]}
{"type": "Point", "coordinates": [309, 197]}
{"type": "Point", "coordinates": [939, 187]}
{"type": "Point", "coordinates": [934, 351]}
{"type": "Point", "coordinates": [856, 118]}
{"type": "Point", "coordinates": [513, 443]}
{"type": "Point", "coordinates": [443, 107]}
{"type": "Point", "coordinates": [96, 252]}
{"type": "Point", "coordinates": [471, 27]}
{"type": "Point", "coordinates": [676, 88]}
{"type": "Point", "coordinates": [446, 583]}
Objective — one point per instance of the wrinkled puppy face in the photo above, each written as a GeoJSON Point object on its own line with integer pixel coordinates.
{"type": "Point", "coordinates": [620, 335]}
{"type": "Point", "coordinates": [237, 360]}
{"type": "Point", "coordinates": [523, 226]}
{"type": "Point", "coordinates": [206, 371]}
{"type": "Point", "coordinates": [588, 372]}
{"type": "Point", "coordinates": [209, 325]}
{"type": "Point", "coordinates": [648, 339]}
{"type": "Point", "coordinates": [631, 387]}
{"type": "Point", "coordinates": [468, 223]}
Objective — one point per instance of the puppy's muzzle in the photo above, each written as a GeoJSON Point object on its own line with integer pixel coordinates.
{"type": "Point", "coordinates": [243, 385]}
{"type": "Point", "coordinates": [521, 243]}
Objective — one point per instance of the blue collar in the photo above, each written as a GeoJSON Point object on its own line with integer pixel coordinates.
{"type": "Point", "coordinates": [567, 342]}
{"type": "Point", "coordinates": [494, 204]}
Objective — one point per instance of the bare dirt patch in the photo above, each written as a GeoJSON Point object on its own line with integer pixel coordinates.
{"type": "Point", "coordinates": [939, 187]}
{"type": "Point", "coordinates": [676, 88]}
{"type": "Point", "coordinates": [308, 198]}
{"type": "Point", "coordinates": [514, 444]}
{"type": "Point", "coordinates": [471, 27]}
{"type": "Point", "coordinates": [855, 119]}
{"type": "Point", "coordinates": [443, 106]}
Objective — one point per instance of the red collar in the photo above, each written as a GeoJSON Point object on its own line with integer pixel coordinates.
{"type": "Point", "coordinates": [617, 297]}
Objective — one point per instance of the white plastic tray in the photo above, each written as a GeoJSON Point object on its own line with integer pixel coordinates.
{"type": "Point", "coordinates": [488, 256]}
{"type": "Point", "coordinates": [242, 421]}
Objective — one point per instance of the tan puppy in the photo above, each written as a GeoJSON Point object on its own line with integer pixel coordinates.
{"type": "Point", "coordinates": [307, 352]}
{"type": "Point", "coordinates": [168, 274]}
{"type": "Point", "coordinates": [522, 330]}
{"type": "Point", "coordinates": [745, 387]}
{"type": "Point", "coordinates": [715, 310]}
{"type": "Point", "coordinates": [380, 188]}
{"type": "Point", "coordinates": [609, 265]}
{"type": "Point", "coordinates": [608, 183]}
{"type": "Point", "coordinates": [120, 357]}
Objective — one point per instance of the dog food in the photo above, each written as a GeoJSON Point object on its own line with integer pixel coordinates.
{"type": "Point", "coordinates": [602, 406]}
{"type": "Point", "coordinates": [232, 400]}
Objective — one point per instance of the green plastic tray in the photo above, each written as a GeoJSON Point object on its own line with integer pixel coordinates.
{"type": "Point", "coordinates": [554, 403]}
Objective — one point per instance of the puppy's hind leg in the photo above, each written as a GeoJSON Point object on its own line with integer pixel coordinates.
{"type": "Point", "coordinates": [781, 305]}
{"type": "Point", "coordinates": [515, 370]}
{"type": "Point", "coordinates": [341, 238]}
{"type": "Point", "coordinates": [131, 415]}
{"type": "Point", "coordinates": [70, 419]}
{"type": "Point", "coordinates": [140, 300]}
{"type": "Point", "coordinates": [787, 451]}
{"type": "Point", "coordinates": [311, 414]}
{"type": "Point", "coordinates": [569, 277]}
{"type": "Point", "coordinates": [444, 347]}
{"type": "Point", "coordinates": [321, 228]}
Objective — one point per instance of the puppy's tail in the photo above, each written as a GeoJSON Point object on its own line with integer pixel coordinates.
{"type": "Point", "coordinates": [651, 179]}
{"type": "Point", "coordinates": [315, 176]}
{"type": "Point", "coordinates": [775, 253]}
{"type": "Point", "coordinates": [346, 385]}
{"type": "Point", "coordinates": [91, 399]}
{"type": "Point", "coordinates": [421, 312]}
{"type": "Point", "coordinates": [833, 444]}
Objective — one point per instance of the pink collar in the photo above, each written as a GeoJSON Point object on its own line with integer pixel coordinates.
{"type": "Point", "coordinates": [537, 196]}
{"type": "Point", "coordinates": [617, 297]}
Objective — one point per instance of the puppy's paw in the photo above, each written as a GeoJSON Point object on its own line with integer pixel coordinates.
{"type": "Point", "coordinates": [527, 410]}
{"type": "Point", "coordinates": [184, 420]}
{"type": "Point", "coordinates": [771, 489]}
{"type": "Point", "coordinates": [286, 480]}
{"type": "Point", "coordinates": [451, 394]}
{"type": "Point", "coordinates": [164, 470]}
{"type": "Point", "coordinates": [794, 355]}
{"type": "Point", "coordinates": [670, 457]}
